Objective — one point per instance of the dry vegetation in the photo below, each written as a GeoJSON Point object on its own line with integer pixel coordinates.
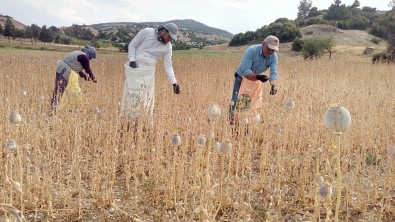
{"type": "Point", "coordinates": [84, 165]}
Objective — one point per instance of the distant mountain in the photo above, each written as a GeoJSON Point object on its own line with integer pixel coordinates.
{"type": "Point", "coordinates": [190, 31]}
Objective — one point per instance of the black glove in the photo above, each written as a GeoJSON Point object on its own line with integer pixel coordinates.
{"type": "Point", "coordinates": [273, 90]}
{"type": "Point", "coordinates": [262, 78]}
{"type": "Point", "coordinates": [176, 88]}
{"type": "Point", "coordinates": [92, 77]}
{"type": "Point", "coordinates": [83, 75]}
{"type": "Point", "coordinates": [132, 64]}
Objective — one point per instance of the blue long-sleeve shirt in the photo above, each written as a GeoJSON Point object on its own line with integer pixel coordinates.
{"type": "Point", "coordinates": [254, 61]}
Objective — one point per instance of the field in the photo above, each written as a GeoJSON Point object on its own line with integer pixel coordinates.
{"type": "Point", "coordinates": [85, 166]}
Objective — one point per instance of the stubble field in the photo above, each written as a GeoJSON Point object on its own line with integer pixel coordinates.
{"type": "Point", "coordinates": [85, 165]}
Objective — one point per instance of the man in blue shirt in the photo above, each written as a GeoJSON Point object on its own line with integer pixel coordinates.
{"type": "Point", "coordinates": [256, 60]}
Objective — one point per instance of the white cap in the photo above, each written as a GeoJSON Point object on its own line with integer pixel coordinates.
{"type": "Point", "coordinates": [172, 29]}
{"type": "Point", "coordinates": [272, 42]}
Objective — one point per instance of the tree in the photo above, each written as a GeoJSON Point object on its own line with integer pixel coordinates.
{"type": "Point", "coordinates": [46, 35]}
{"type": "Point", "coordinates": [1, 29]}
{"type": "Point", "coordinates": [337, 13]}
{"type": "Point", "coordinates": [35, 32]}
{"type": "Point", "coordinates": [391, 4]}
{"type": "Point", "coordinates": [315, 47]}
{"type": "Point", "coordinates": [314, 12]}
{"type": "Point", "coordinates": [338, 2]}
{"type": "Point", "coordinates": [356, 4]}
{"type": "Point", "coordinates": [284, 29]}
{"type": "Point", "coordinates": [8, 29]}
{"type": "Point", "coordinates": [304, 8]}
{"type": "Point", "coordinates": [18, 33]}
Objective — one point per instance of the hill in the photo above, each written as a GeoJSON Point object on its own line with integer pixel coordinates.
{"type": "Point", "coordinates": [17, 24]}
{"type": "Point", "coordinates": [190, 30]}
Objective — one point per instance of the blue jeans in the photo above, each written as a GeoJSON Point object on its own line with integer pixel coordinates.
{"type": "Point", "coordinates": [236, 88]}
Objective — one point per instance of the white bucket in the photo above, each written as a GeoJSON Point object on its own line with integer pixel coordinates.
{"type": "Point", "coordinates": [138, 91]}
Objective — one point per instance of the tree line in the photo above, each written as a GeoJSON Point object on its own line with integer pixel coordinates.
{"type": "Point", "coordinates": [342, 16]}
{"type": "Point", "coordinates": [81, 34]}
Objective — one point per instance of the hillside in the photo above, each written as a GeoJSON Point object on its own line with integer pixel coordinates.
{"type": "Point", "coordinates": [189, 30]}
{"type": "Point", "coordinates": [17, 24]}
{"type": "Point", "coordinates": [342, 37]}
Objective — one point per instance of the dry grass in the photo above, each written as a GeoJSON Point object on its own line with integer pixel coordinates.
{"type": "Point", "coordinates": [82, 166]}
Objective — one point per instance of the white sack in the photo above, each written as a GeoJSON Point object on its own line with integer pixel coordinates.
{"type": "Point", "coordinates": [138, 91]}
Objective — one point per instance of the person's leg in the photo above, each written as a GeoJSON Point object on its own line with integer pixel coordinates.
{"type": "Point", "coordinates": [236, 88]}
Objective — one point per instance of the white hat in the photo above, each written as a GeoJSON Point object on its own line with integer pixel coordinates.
{"type": "Point", "coordinates": [172, 29]}
{"type": "Point", "coordinates": [272, 42]}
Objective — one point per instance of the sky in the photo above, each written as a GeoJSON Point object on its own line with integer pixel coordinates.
{"type": "Point", "coordinates": [234, 16]}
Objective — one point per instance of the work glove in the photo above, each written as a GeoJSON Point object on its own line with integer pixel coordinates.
{"type": "Point", "coordinates": [262, 78]}
{"type": "Point", "coordinates": [132, 64]}
{"type": "Point", "coordinates": [176, 88]}
{"type": "Point", "coordinates": [92, 77]}
{"type": "Point", "coordinates": [83, 75]}
{"type": "Point", "coordinates": [273, 90]}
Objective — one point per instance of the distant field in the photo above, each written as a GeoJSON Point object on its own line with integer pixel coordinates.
{"type": "Point", "coordinates": [85, 166]}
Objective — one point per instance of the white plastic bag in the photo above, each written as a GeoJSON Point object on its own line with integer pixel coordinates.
{"type": "Point", "coordinates": [138, 91]}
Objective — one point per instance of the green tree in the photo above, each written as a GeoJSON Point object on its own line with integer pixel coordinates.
{"type": "Point", "coordinates": [314, 12]}
{"type": "Point", "coordinates": [391, 4]}
{"type": "Point", "coordinates": [29, 33]}
{"type": "Point", "coordinates": [35, 29]}
{"type": "Point", "coordinates": [356, 4]}
{"type": "Point", "coordinates": [337, 13]}
{"type": "Point", "coordinates": [284, 29]}
{"type": "Point", "coordinates": [304, 8]}
{"type": "Point", "coordinates": [46, 35]}
{"type": "Point", "coordinates": [18, 33]}
{"type": "Point", "coordinates": [9, 29]}
{"type": "Point", "coordinates": [315, 47]}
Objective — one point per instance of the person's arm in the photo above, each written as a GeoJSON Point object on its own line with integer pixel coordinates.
{"type": "Point", "coordinates": [84, 60]}
{"type": "Point", "coordinates": [136, 41]}
{"type": "Point", "coordinates": [246, 64]}
{"type": "Point", "coordinates": [273, 70]}
{"type": "Point", "coordinates": [167, 60]}
{"type": "Point", "coordinates": [168, 65]}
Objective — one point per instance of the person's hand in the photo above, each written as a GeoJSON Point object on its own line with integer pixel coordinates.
{"type": "Point", "coordinates": [176, 88]}
{"type": "Point", "coordinates": [83, 75]}
{"type": "Point", "coordinates": [262, 78]}
{"type": "Point", "coordinates": [132, 64]}
{"type": "Point", "coordinates": [92, 77]}
{"type": "Point", "coordinates": [273, 90]}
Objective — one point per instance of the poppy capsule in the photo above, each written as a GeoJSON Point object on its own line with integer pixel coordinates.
{"type": "Point", "coordinates": [14, 117]}
{"type": "Point", "coordinates": [214, 110]}
{"type": "Point", "coordinates": [337, 119]}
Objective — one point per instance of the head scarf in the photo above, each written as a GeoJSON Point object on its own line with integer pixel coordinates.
{"type": "Point", "coordinates": [89, 51]}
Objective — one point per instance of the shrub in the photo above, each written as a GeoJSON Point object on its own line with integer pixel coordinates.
{"type": "Point", "coordinates": [297, 45]}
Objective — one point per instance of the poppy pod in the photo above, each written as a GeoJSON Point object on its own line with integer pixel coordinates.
{"type": "Point", "coordinates": [337, 119]}
{"type": "Point", "coordinates": [14, 117]}
{"type": "Point", "coordinates": [11, 146]}
{"type": "Point", "coordinates": [256, 118]}
{"type": "Point", "coordinates": [201, 140]}
{"type": "Point", "coordinates": [225, 148]}
{"type": "Point", "coordinates": [325, 191]}
{"type": "Point", "coordinates": [176, 140]}
{"type": "Point", "coordinates": [290, 105]}
{"type": "Point", "coordinates": [214, 110]}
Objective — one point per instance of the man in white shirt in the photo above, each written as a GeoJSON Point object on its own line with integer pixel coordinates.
{"type": "Point", "coordinates": [144, 51]}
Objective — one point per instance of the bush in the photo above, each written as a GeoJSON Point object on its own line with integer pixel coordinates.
{"type": "Point", "coordinates": [315, 47]}
{"type": "Point", "coordinates": [297, 45]}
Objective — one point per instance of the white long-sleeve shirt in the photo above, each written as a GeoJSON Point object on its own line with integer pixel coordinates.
{"type": "Point", "coordinates": [146, 49]}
